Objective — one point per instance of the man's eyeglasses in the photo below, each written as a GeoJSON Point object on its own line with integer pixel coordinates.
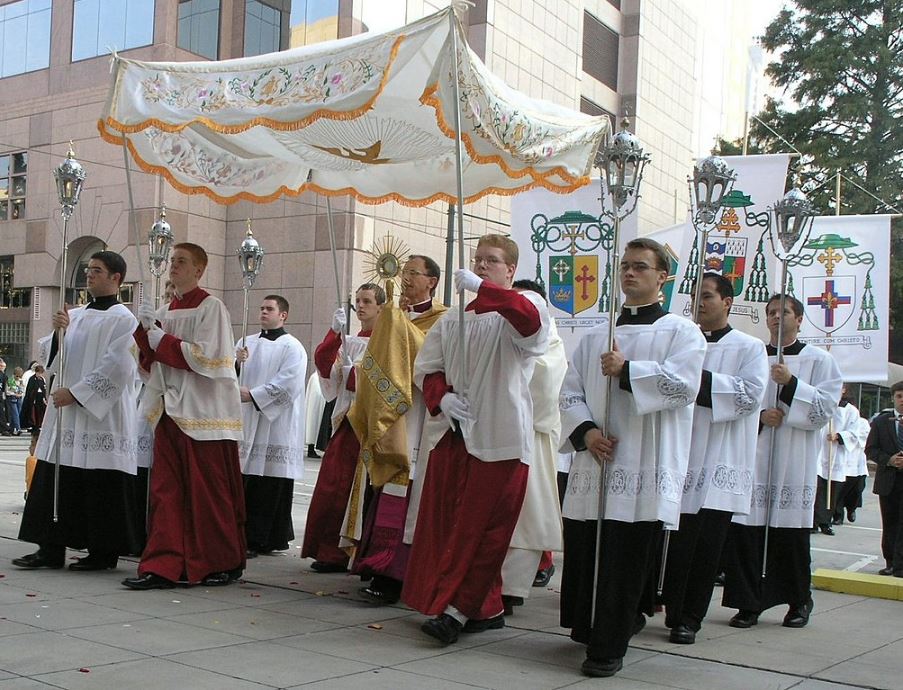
{"type": "Point", "coordinates": [487, 260]}
{"type": "Point", "coordinates": [94, 271]}
{"type": "Point", "coordinates": [410, 273]}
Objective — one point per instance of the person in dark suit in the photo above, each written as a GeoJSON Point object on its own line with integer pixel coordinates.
{"type": "Point", "coordinates": [34, 405]}
{"type": "Point", "coordinates": [884, 447]}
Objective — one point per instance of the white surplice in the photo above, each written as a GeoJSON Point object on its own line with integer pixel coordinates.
{"type": "Point", "coordinates": [101, 372]}
{"type": "Point", "coordinates": [273, 444]}
{"type": "Point", "coordinates": [500, 365]}
{"type": "Point", "coordinates": [723, 446]}
{"type": "Point", "coordinates": [203, 401]}
{"type": "Point", "coordinates": [843, 459]}
{"type": "Point", "coordinates": [335, 386]}
{"type": "Point", "coordinates": [538, 527]}
{"type": "Point", "coordinates": [645, 478]}
{"type": "Point", "coordinates": [798, 441]}
{"type": "Point", "coordinates": [314, 402]}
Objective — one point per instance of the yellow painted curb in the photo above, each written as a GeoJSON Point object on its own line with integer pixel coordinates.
{"type": "Point", "coordinates": [866, 585]}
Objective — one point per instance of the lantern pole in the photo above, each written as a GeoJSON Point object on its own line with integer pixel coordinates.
{"type": "Point", "coordinates": [70, 178]}
{"type": "Point", "coordinates": [711, 181]}
{"type": "Point", "coordinates": [622, 161]}
{"type": "Point", "coordinates": [791, 220]}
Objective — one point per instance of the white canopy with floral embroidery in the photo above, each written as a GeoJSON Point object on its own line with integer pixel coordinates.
{"type": "Point", "coordinates": [371, 116]}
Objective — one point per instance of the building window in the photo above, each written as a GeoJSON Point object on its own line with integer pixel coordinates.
{"type": "Point", "coordinates": [15, 345]}
{"type": "Point", "coordinates": [199, 27]}
{"type": "Point", "coordinates": [24, 36]}
{"type": "Point", "coordinates": [263, 28]}
{"type": "Point", "coordinates": [10, 297]}
{"type": "Point", "coordinates": [600, 51]}
{"type": "Point", "coordinates": [13, 167]}
{"type": "Point", "coordinates": [102, 25]}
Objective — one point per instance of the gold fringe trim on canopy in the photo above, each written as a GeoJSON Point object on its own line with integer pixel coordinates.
{"type": "Point", "coordinates": [431, 99]}
{"type": "Point", "coordinates": [537, 181]}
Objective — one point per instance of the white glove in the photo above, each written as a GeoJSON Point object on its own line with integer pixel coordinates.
{"type": "Point", "coordinates": [147, 315]}
{"type": "Point", "coordinates": [455, 407]}
{"type": "Point", "coordinates": [339, 321]}
{"type": "Point", "coordinates": [154, 336]}
{"type": "Point", "coordinates": [467, 280]}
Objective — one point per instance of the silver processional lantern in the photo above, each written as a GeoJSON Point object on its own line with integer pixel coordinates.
{"type": "Point", "coordinates": [159, 244]}
{"type": "Point", "coordinates": [711, 180]}
{"type": "Point", "coordinates": [791, 220]}
{"type": "Point", "coordinates": [622, 161]}
{"type": "Point", "coordinates": [70, 178]}
{"type": "Point", "coordinates": [250, 255]}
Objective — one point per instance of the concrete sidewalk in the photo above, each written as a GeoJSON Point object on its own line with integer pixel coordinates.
{"type": "Point", "coordinates": [285, 626]}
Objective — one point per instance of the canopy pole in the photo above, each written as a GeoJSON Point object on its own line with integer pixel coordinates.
{"type": "Point", "coordinates": [144, 286]}
{"type": "Point", "coordinates": [132, 220]}
{"type": "Point", "coordinates": [459, 216]}
{"type": "Point", "coordinates": [332, 247]}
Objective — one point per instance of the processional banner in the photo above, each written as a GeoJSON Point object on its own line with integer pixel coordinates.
{"type": "Point", "coordinates": [565, 246]}
{"type": "Point", "coordinates": [842, 277]}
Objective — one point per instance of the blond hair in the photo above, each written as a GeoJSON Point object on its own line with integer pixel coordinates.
{"type": "Point", "coordinates": [506, 244]}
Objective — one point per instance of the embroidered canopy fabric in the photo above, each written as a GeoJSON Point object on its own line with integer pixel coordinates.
{"type": "Point", "coordinates": [371, 116]}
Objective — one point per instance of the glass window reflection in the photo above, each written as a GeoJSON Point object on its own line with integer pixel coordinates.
{"type": "Point", "coordinates": [199, 27]}
{"type": "Point", "coordinates": [24, 37]}
{"type": "Point", "coordinates": [263, 28]}
{"type": "Point", "coordinates": [313, 21]}
{"type": "Point", "coordinates": [102, 25]}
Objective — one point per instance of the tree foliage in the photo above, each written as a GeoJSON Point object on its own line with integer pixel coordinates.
{"type": "Point", "coordinates": [839, 65]}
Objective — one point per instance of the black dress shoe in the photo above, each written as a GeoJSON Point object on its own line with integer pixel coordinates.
{"type": "Point", "coordinates": [638, 624]}
{"type": "Point", "coordinates": [681, 634]}
{"type": "Point", "coordinates": [94, 562]}
{"type": "Point", "coordinates": [798, 616]}
{"type": "Point", "coordinates": [744, 619]}
{"type": "Point", "coordinates": [37, 560]}
{"type": "Point", "coordinates": [851, 514]}
{"type": "Point", "coordinates": [601, 668]}
{"type": "Point", "coordinates": [544, 577]}
{"type": "Point", "coordinates": [378, 596]}
{"type": "Point", "coordinates": [826, 530]}
{"type": "Point", "coordinates": [443, 628]}
{"type": "Point", "coordinates": [474, 625]}
{"type": "Point", "coordinates": [837, 520]}
{"type": "Point", "coordinates": [509, 602]}
{"type": "Point", "coordinates": [148, 581]}
{"type": "Point", "coordinates": [220, 579]}
{"type": "Point", "coordinates": [326, 567]}
{"type": "Point", "coordinates": [884, 571]}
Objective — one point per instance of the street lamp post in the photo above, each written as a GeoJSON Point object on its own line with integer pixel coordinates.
{"type": "Point", "coordinates": [621, 161]}
{"type": "Point", "coordinates": [70, 178]}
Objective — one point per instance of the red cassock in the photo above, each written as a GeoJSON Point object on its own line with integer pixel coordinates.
{"type": "Point", "coordinates": [330, 498]}
{"type": "Point", "coordinates": [468, 512]}
{"type": "Point", "coordinates": [197, 506]}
